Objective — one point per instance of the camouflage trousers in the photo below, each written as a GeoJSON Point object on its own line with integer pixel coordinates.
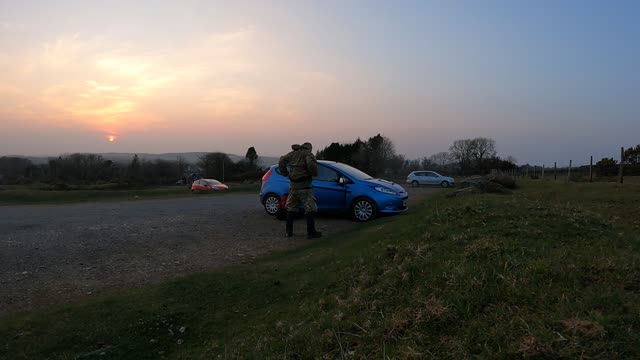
{"type": "Point", "coordinates": [297, 196]}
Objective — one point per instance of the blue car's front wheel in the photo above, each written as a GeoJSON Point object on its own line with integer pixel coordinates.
{"type": "Point", "coordinates": [363, 209]}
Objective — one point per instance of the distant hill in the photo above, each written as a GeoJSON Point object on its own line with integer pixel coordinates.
{"type": "Point", "coordinates": [191, 157]}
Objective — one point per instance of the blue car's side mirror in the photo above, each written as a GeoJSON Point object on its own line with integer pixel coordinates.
{"type": "Point", "coordinates": [344, 180]}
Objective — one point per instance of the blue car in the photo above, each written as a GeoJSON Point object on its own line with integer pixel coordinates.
{"type": "Point", "coordinates": [338, 188]}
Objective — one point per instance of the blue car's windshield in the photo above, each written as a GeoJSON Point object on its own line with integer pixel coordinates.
{"type": "Point", "coordinates": [351, 171]}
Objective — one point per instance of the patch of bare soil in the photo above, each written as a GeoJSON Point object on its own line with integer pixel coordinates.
{"type": "Point", "coordinates": [58, 254]}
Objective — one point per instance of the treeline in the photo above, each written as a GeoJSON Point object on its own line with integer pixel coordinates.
{"type": "Point", "coordinates": [219, 166]}
{"type": "Point", "coordinates": [377, 157]}
{"type": "Point", "coordinates": [611, 167]}
{"type": "Point", "coordinates": [85, 169]}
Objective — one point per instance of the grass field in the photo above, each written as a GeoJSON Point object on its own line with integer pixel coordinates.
{"type": "Point", "coordinates": [21, 195]}
{"type": "Point", "coordinates": [551, 271]}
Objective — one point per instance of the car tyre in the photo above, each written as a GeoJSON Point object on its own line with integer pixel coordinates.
{"type": "Point", "coordinates": [445, 184]}
{"type": "Point", "coordinates": [272, 204]}
{"type": "Point", "coordinates": [415, 183]}
{"type": "Point", "coordinates": [363, 210]}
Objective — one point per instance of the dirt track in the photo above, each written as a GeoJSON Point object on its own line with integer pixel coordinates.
{"type": "Point", "coordinates": [57, 253]}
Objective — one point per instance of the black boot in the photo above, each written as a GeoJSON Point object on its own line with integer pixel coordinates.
{"type": "Point", "coordinates": [311, 226]}
{"type": "Point", "coordinates": [290, 215]}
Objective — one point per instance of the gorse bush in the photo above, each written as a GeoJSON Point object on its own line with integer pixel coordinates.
{"type": "Point", "coordinates": [506, 181]}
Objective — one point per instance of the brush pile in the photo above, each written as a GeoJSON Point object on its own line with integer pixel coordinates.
{"type": "Point", "coordinates": [495, 184]}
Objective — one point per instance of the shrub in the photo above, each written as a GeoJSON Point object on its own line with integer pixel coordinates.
{"type": "Point", "coordinates": [492, 187]}
{"type": "Point", "coordinates": [505, 181]}
{"type": "Point", "coordinates": [479, 185]}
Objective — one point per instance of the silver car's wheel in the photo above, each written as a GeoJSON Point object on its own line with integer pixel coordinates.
{"type": "Point", "coordinates": [415, 183]}
{"type": "Point", "coordinates": [445, 184]}
{"type": "Point", "coordinates": [364, 210]}
{"type": "Point", "coordinates": [272, 204]}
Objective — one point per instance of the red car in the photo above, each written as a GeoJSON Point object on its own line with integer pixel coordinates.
{"type": "Point", "coordinates": [207, 185]}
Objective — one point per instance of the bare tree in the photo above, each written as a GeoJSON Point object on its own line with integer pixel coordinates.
{"type": "Point", "coordinates": [471, 154]}
{"type": "Point", "coordinates": [427, 163]}
{"type": "Point", "coordinates": [441, 158]}
{"type": "Point", "coordinates": [462, 152]}
{"type": "Point", "coordinates": [482, 148]}
{"type": "Point", "coordinates": [412, 165]}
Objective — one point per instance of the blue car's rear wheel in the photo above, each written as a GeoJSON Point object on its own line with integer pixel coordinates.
{"type": "Point", "coordinates": [272, 204]}
{"type": "Point", "coordinates": [363, 209]}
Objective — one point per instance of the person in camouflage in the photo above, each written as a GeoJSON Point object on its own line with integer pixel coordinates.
{"type": "Point", "coordinates": [300, 166]}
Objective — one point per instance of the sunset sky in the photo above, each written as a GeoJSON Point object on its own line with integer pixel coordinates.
{"type": "Point", "coordinates": [548, 80]}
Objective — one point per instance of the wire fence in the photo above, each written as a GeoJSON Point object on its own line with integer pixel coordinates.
{"type": "Point", "coordinates": [604, 170]}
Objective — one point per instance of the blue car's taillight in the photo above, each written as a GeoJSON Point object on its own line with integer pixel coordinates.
{"type": "Point", "coordinates": [266, 176]}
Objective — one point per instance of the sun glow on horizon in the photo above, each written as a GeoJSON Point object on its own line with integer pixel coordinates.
{"type": "Point", "coordinates": [111, 138]}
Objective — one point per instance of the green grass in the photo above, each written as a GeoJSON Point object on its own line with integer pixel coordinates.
{"type": "Point", "coordinates": [551, 271]}
{"type": "Point", "coordinates": [22, 195]}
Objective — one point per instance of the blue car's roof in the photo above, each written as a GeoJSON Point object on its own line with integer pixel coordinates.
{"type": "Point", "coordinates": [319, 161]}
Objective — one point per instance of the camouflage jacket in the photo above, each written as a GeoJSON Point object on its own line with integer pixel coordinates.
{"type": "Point", "coordinates": [302, 166]}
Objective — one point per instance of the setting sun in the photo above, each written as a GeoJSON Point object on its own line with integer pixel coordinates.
{"type": "Point", "coordinates": [111, 138]}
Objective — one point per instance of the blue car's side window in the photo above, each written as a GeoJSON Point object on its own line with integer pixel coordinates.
{"type": "Point", "coordinates": [278, 170]}
{"type": "Point", "coordinates": [326, 174]}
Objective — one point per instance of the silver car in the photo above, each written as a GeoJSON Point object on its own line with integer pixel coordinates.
{"type": "Point", "coordinates": [417, 178]}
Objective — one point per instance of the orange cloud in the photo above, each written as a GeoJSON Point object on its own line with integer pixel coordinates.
{"type": "Point", "coordinates": [100, 84]}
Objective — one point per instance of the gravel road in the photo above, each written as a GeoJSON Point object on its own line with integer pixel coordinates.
{"type": "Point", "coordinates": [57, 253]}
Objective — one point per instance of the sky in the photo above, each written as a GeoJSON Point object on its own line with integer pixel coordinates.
{"type": "Point", "coordinates": [547, 80]}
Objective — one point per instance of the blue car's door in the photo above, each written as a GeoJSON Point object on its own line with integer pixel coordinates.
{"type": "Point", "coordinates": [329, 193]}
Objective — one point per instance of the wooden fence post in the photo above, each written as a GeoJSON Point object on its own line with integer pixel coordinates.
{"type": "Point", "coordinates": [620, 174]}
{"type": "Point", "coordinates": [569, 172]}
{"type": "Point", "coordinates": [591, 170]}
{"type": "Point", "coordinates": [542, 171]}
{"type": "Point", "coordinates": [555, 171]}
